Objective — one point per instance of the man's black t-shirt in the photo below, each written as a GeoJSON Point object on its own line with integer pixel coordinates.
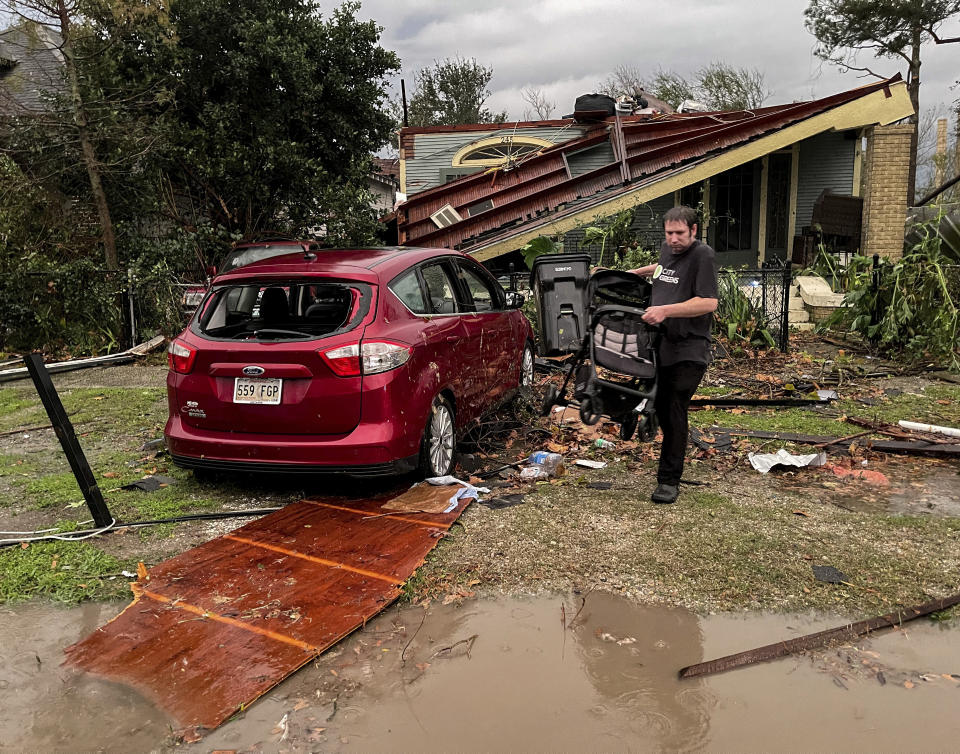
{"type": "Point", "coordinates": [679, 277]}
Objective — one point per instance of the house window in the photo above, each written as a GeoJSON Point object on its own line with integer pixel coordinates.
{"type": "Point", "coordinates": [733, 209]}
{"type": "Point", "coordinates": [499, 150]}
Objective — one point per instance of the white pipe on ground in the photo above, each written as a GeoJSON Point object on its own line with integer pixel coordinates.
{"type": "Point", "coordinates": [917, 427]}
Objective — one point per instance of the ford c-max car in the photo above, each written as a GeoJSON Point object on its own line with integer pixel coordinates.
{"type": "Point", "coordinates": [367, 362]}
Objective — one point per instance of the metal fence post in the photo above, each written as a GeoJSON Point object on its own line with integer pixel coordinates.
{"type": "Point", "coordinates": [68, 440]}
{"type": "Point", "coordinates": [785, 306]}
{"type": "Point", "coordinates": [131, 288]}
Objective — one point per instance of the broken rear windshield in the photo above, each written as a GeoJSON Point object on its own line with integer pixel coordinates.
{"type": "Point", "coordinates": [282, 310]}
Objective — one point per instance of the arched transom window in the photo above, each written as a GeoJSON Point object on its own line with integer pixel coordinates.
{"type": "Point", "coordinates": [498, 150]}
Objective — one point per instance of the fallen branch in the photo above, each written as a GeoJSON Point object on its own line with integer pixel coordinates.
{"type": "Point", "coordinates": [447, 650]}
{"type": "Point", "coordinates": [840, 440]}
{"type": "Point", "coordinates": [819, 639]}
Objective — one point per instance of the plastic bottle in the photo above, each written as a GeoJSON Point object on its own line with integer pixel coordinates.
{"type": "Point", "coordinates": [605, 444]}
{"type": "Point", "coordinates": [534, 472]}
{"type": "Point", "coordinates": [552, 462]}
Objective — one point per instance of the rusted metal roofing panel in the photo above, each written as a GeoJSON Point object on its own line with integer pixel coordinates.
{"type": "Point", "coordinates": [652, 145]}
{"type": "Point", "coordinates": [212, 629]}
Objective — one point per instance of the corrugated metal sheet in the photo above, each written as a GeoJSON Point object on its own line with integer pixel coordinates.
{"type": "Point", "coordinates": [826, 162]}
{"type": "Point", "coordinates": [652, 146]}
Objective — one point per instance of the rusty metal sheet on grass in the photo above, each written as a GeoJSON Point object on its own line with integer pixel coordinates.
{"type": "Point", "coordinates": [212, 629]}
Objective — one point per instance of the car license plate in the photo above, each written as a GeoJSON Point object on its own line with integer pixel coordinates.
{"type": "Point", "coordinates": [257, 390]}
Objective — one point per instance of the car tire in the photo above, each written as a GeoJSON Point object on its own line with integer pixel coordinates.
{"type": "Point", "coordinates": [526, 367]}
{"type": "Point", "coordinates": [439, 440]}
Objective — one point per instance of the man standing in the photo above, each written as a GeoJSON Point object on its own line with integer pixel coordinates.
{"type": "Point", "coordinates": [683, 300]}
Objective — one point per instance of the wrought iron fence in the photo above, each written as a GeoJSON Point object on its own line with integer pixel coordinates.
{"type": "Point", "coordinates": [764, 295]}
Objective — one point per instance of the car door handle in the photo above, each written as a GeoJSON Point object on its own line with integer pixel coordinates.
{"type": "Point", "coordinates": [453, 338]}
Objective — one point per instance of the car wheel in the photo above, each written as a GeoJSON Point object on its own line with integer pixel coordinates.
{"type": "Point", "coordinates": [439, 440]}
{"type": "Point", "coordinates": [526, 367]}
{"type": "Point", "coordinates": [589, 414]}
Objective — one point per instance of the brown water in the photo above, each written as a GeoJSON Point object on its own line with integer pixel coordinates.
{"type": "Point", "coordinates": [412, 680]}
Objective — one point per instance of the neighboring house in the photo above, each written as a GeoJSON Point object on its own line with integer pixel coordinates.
{"type": "Point", "coordinates": [761, 175]}
{"type": "Point", "coordinates": [31, 69]}
{"type": "Point", "coordinates": [383, 182]}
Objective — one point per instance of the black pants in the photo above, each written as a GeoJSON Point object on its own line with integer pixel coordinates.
{"type": "Point", "coordinates": [676, 384]}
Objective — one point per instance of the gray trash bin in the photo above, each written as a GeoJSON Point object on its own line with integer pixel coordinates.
{"type": "Point", "coordinates": [559, 284]}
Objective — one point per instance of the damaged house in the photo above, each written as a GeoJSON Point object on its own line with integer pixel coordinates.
{"type": "Point", "coordinates": [769, 180]}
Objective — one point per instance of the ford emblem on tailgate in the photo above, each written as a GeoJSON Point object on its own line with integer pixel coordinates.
{"type": "Point", "coordinates": [253, 371]}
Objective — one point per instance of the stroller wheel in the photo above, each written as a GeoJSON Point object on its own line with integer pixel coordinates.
{"type": "Point", "coordinates": [588, 413]}
{"type": "Point", "coordinates": [549, 399]}
{"type": "Point", "coordinates": [647, 429]}
{"type": "Point", "coordinates": [628, 425]}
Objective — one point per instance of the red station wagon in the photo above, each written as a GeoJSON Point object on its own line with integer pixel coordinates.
{"type": "Point", "coordinates": [367, 362]}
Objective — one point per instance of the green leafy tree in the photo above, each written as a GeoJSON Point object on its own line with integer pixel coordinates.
{"type": "Point", "coordinates": [895, 29]}
{"type": "Point", "coordinates": [63, 26]}
{"type": "Point", "coordinates": [452, 92]}
{"type": "Point", "coordinates": [274, 116]}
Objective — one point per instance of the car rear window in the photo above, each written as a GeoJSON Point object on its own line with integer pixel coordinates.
{"type": "Point", "coordinates": [280, 310]}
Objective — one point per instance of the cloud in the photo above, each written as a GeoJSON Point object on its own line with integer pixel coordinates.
{"type": "Point", "coordinates": [568, 47]}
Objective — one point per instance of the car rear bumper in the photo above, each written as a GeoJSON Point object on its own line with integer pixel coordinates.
{"type": "Point", "coordinates": [369, 450]}
{"type": "Point", "coordinates": [392, 468]}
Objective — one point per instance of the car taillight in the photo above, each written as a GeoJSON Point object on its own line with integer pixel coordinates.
{"type": "Point", "coordinates": [344, 361]}
{"type": "Point", "coordinates": [383, 356]}
{"type": "Point", "coordinates": [180, 357]}
{"type": "Point", "coordinates": [368, 358]}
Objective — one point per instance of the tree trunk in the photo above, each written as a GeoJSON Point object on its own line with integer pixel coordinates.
{"type": "Point", "coordinates": [914, 89]}
{"type": "Point", "coordinates": [86, 145]}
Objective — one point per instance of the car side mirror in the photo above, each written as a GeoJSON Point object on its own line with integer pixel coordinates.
{"type": "Point", "coordinates": [514, 300]}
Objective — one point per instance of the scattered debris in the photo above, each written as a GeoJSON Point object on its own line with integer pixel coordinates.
{"type": "Point", "coordinates": [915, 447]}
{"type": "Point", "coordinates": [97, 361]}
{"type": "Point", "coordinates": [150, 483]}
{"type": "Point", "coordinates": [600, 485]}
{"type": "Point", "coordinates": [503, 501]}
{"type": "Point", "coordinates": [932, 428]}
{"type": "Point", "coordinates": [829, 575]}
{"type": "Point", "coordinates": [588, 464]}
{"type": "Point", "coordinates": [864, 475]}
{"type": "Point", "coordinates": [763, 462]}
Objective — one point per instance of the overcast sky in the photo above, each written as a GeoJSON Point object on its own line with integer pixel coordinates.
{"type": "Point", "coordinates": [567, 47]}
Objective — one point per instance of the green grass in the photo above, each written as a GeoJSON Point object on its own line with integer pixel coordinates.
{"type": "Point", "coordinates": [889, 409]}
{"type": "Point", "coordinates": [68, 572]}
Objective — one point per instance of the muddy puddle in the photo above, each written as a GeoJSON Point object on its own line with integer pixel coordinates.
{"type": "Point", "coordinates": [936, 493]}
{"type": "Point", "coordinates": [552, 673]}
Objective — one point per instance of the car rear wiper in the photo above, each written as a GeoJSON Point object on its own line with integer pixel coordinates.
{"type": "Point", "coordinates": [288, 333]}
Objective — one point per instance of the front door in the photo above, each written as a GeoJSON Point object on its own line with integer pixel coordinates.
{"type": "Point", "coordinates": [778, 204]}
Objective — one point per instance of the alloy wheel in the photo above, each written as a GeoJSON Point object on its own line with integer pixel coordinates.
{"type": "Point", "coordinates": [526, 368]}
{"type": "Point", "coordinates": [441, 439]}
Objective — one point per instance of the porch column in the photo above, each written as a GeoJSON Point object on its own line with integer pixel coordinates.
{"type": "Point", "coordinates": [885, 190]}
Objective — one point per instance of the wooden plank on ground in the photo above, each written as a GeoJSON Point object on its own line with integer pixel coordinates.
{"type": "Point", "coordinates": [214, 628]}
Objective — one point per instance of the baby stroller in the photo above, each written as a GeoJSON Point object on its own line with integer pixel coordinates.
{"type": "Point", "coordinates": [625, 347]}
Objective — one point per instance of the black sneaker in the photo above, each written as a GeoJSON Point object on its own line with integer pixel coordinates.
{"type": "Point", "coordinates": [665, 493]}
